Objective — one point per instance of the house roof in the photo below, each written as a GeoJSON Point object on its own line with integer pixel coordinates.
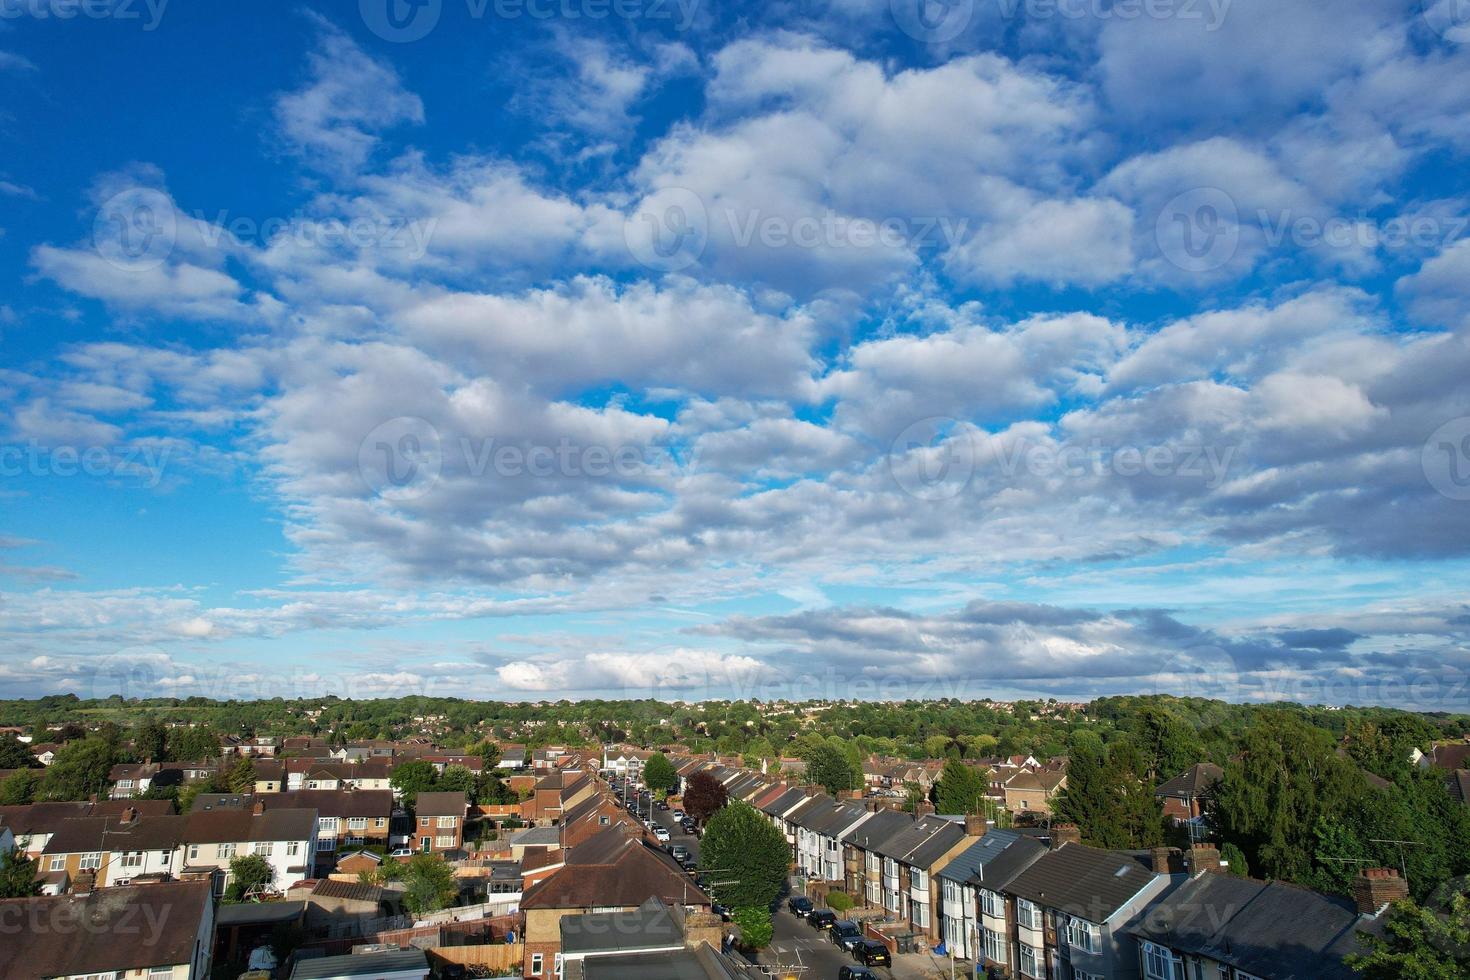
{"type": "Point", "coordinates": [993, 860]}
{"type": "Point", "coordinates": [441, 804]}
{"type": "Point", "coordinates": [1045, 780]}
{"type": "Point", "coordinates": [1266, 928]}
{"type": "Point", "coordinates": [785, 801]}
{"type": "Point", "coordinates": [650, 926]}
{"type": "Point", "coordinates": [1192, 782]}
{"type": "Point", "coordinates": [922, 842]}
{"type": "Point", "coordinates": [226, 826]}
{"type": "Point", "coordinates": [534, 836]}
{"type": "Point", "coordinates": [613, 868]}
{"type": "Point", "coordinates": [875, 831]}
{"type": "Point", "coordinates": [362, 965]}
{"type": "Point", "coordinates": [333, 802]}
{"type": "Point", "coordinates": [1086, 881]}
{"type": "Point", "coordinates": [88, 834]}
{"type": "Point", "coordinates": [92, 924]}
{"type": "Point", "coordinates": [1451, 755]}
{"type": "Point", "coordinates": [44, 818]}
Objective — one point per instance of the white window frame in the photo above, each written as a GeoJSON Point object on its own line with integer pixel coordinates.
{"type": "Point", "coordinates": [90, 862]}
{"type": "Point", "coordinates": [357, 823]}
{"type": "Point", "coordinates": [995, 946]}
{"type": "Point", "coordinates": [1037, 958]}
{"type": "Point", "coordinates": [58, 862]}
{"type": "Point", "coordinates": [1028, 914]}
{"type": "Point", "coordinates": [537, 962]}
{"type": "Point", "coordinates": [1083, 935]}
{"type": "Point", "coordinates": [991, 904]}
{"type": "Point", "coordinates": [1160, 963]}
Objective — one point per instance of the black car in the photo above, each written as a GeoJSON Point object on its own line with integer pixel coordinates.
{"type": "Point", "coordinates": [688, 824]}
{"type": "Point", "coordinates": [723, 911]}
{"type": "Point", "coordinates": [822, 919]}
{"type": "Point", "coordinates": [662, 805]}
{"type": "Point", "coordinates": [870, 952]}
{"type": "Point", "coordinates": [688, 863]}
{"type": "Point", "coordinates": [679, 851]}
{"type": "Point", "coordinates": [800, 906]}
{"type": "Point", "coordinates": [855, 973]}
{"type": "Point", "coordinates": [845, 933]}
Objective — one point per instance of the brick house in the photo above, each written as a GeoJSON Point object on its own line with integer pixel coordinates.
{"type": "Point", "coordinates": [439, 822]}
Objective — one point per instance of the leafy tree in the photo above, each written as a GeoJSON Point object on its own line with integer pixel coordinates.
{"type": "Point", "coordinates": [1418, 944]}
{"type": "Point", "coordinates": [18, 875]}
{"type": "Point", "coordinates": [913, 795]}
{"type": "Point", "coordinates": [1167, 743]}
{"type": "Point", "coordinates": [489, 754]}
{"type": "Point", "coordinates": [15, 754]}
{"type": "Point", "coordinates": [79, 770]}
{"type": "Point", "coordinates": [20, 787]}
{"type": "Point", "coordinates": [756, 928]}
{"type": "Point", "coordinates": [150, 742]}
{"type": "Point", "coordinates": [241, 776]}
{"type": "Point", "coordinates": [192, 744]}
{"type": "Point", "coordinates": [1107, 797]}
{"type": "Point", "coordinates": [746, 851]}
{"type": "Point", "coordinates": [839, 902]}
{"type": "Point", "coordinates": [658, 773]}
{"type": "Point", "coordinates": [456, 778]}
{"type": "Point", "coordinates": [1234, 860]}
{"type": "Point", "coordinates": [247, 873]}
{"type": "Point", "coordinates": [830, 768]}
{"type": "Point", "coordinates": [704, 796]}
{"type": "Point", "coordinates": [413, 778]}
{"type": "Point", "coordinates": [429, 884]}
{"type": "Point", "coordinates": [959, 788]}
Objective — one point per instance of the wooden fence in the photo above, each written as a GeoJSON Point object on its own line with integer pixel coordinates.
{"type": "Point", "coordinates": [498, 958]}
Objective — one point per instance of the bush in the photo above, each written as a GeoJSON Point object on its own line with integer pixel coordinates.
{"type": "Point", "coordinates": [839, 902]}
{"type": "Point", "coordinates": [755, 926]}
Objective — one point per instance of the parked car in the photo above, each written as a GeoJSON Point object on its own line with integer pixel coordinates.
{"type": "Point", "coordinates": [688, 864]}
{"type": "Point", "coordinates": [689, 825]}
{"type": "Point", "coordinates": [401, 852]}
{"type": "Point", "coordinates": [855, 973]}
{"type": "Point", "coordinates": [822, 919]}
{"type": "Point", "coordinates": [723, 911]}
{"type": "Point", "coordinates": [680, 852]}
{"type": "Point", "coordinates": [662, 833]}
{"type": "Point", "coordinates": [800, 906]}
{"type": "Point", "coordinates": [845, 933]}
{"type": "Point", "coordinates": [870, 952]}
{"type": "Point", "coordinates": [679, 815]}
{"type": "Point", "coordinates": [662, 805]}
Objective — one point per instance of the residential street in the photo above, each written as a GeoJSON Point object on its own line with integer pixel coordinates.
{"type": "Point", "coordinates": [795, 944]}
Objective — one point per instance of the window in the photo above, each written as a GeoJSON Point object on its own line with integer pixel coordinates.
{"type": "Point", "coordinates": [293, 848]}
{"type": "Point", "coordinates": [921, 915]}
{"type": "Point", "coordinates": [995, 946]}
{"type": "Point", "coordinates": [131, 860]}
{"type": "Point", "coordinates": [165, 858]}
{"type": "Point", "coordinates": [1083, 935]}
{"type": "Point", "coordinates": [263, 848]}
{"type": "Point", "coordinates": [1030, 962]}
{"type": "Point", "coordinates": [1080, 975]}
{"type": "Point", "coordinates": [58, 863]}
{"type": "Point", "coordinates": [357, 823]}
{"type": "Point", "coordinates": [535, 964]}
{"type": "Point", "coordinates": [327, 823]}
{"type": "Point", "coordinates": [227, 850]}
{"type": "Point", "coordinates": [1160, 963]}
{"type": "Point", "coordinates": [1028, 916]}
{"type": "Point", "coordinates": [448, 821]}
{"type": "Point", "coordinates": [444, 840]}
{"type": "Point", "coordinates": [160, 972]}
{"type": "Point", "coordinates": [124, 784]}
{"type": "Point", "coordinates": [918, 878]}
{"type": "Point", "coordinates": [91, 862]}
{"type": "Point", "coordinates": [326, 843]}
{"type": "Point", "coordinates": [990, 904]}
{"type": "Point", "coordinates": [423, 821]}
{"type": "Point", "coordinates": [193, 852]}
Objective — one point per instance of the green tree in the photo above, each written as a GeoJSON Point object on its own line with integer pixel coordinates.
{"type": "Point", "coordinates": [830, 768]}
{"type": "Point", "coordinates": [241, 776]}
{"type": "Point", "coordinates": [413, 778]}
{"type": "Point", "coordinates": [150, 742]}
{"type": "Point", "coordinates": [756, 928]}
{"type": "Point", "coordinates": [429, 884]}
{"type": "Point", "coordinates": [659, 774]}
{"type": "Point", "coordinates": [747, 854]}
{"type": "Point", "coordinates": [704, 796]}
{"type": "Point", "coordinates": [1418, 944]}
{"type": "Point", "coordinates": [15, 754]}
{"type": "Point", "coordinates": [959, 788]}
{"type": "Point", "coordinates": [839, 902]}
{"type": "Point", "coordinates": [79, 770]}
{"type": "Point", "coordinates": [489, 754]}
{"type": "Point", "coordinates": [1107, 796]}
{"type": "Point", "coordinates": [1167, 743]}
{"type": "Point", "coordinates": [248, 873]}
{"type": "Point", "coordinates": [18, 875]}
{"type": "Point", "coordinates": [1234, 860]}
{"type": "Point", "coordinates": [20, 787]}
{"type": "Point", "coordinates": [192, 744]}
{"type": "Point", "coordinates": [456, 778]}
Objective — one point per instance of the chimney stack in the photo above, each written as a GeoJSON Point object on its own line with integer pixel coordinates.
{"type": "Point", "coordinates": [1377, 887]}
{"type": "Point", "coordinates": [923, 809]}
{"type": "Point", "coordinates": [1159, 859]}
{"type": "Point", "coordinates": [1065, 833]}
{"type": "Point", "coordinates": [129, 814]}
{"type": "Point", "coordinates": [258, 808]}
{"type": "Point", "coordinates": [976, 824]}
{"type": "Point", "coordinates": [1204, 857]}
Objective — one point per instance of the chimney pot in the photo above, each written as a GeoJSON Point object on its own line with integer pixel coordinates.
{"type": "Point", "coordinates": [258, 808]}
{"type": "Point", "coordinates": [129, 814]}
{"type": "Point", "coordinates": [1204, 857]}
{"type": "Point", "coordinates": [976, 824]}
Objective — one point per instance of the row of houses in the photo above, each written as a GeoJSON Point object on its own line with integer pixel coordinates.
{"type": "Point", "coordinates": [1038, 903]}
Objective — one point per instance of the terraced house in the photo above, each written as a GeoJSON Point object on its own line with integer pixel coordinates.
{"type": "Point", "coordinates": [972, 912]}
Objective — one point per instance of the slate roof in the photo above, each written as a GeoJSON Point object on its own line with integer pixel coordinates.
{"type": "Point", "coordinates": [812, 808]}
{"type": "Point", "coordinates": [92, 924]}
{"type": "Point", "coordinates": [785, 801]}
{"type": "Point", "coordinates": [1087, 881]}
{"type": "Point", "coordinates": [86, 834]}
{"type": "Point", "coordinates": [878, 829]}
{"type": "Point", "coordinates": [350, 891]}
{"type": "Point", "coordinates": [1266, 928]}
{"type": "Point", "coordinates": [1194, 781]}
{"type": "Point", "coordinates": [366, 965]}
{"type": "Point", "coordinates": [993, 860]}
{"type": "Point", "coordinates": [535, 836]}
{"type": "Point", "coordinates": [234, 826]}
{"type": "Point", "coordinates": [43, 818]}
{"type": "Point", "coordinates": [922, 842]}
{"type": "Point", "coordinates": [650, 926]}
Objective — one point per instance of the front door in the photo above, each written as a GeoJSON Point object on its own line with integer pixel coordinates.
{"type": "Point", "coordinates": [427, 843]}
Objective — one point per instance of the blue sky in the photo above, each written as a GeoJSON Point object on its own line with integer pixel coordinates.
{"type": "Point", "coordinates": [860, 348]}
